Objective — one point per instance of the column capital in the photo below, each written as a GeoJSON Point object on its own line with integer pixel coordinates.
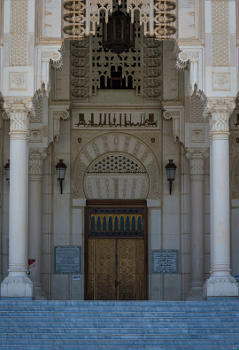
{"type": "Point", "coordinates": [220, 110]}
{"type": "Point", "coordinates": [36, 158]}
{"type": "Point", "coordinates": [18, 110]}
{"type": "Point", "coordinates": [221, 105]}
{"type": "Point", "coordinates": [196, 158]}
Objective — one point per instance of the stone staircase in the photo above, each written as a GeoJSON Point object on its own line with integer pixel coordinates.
{"type": "Point", "coordinates": [68, 325]}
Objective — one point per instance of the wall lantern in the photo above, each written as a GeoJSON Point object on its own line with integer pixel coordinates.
{"type": "Point", "coordinates": [7, 171]}
{"type": "Point", "coordinates": [60, 173]}
{"type": "Point", "coordinates": [171, 171]}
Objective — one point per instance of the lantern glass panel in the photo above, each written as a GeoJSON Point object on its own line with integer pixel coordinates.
{"type": "Point", "coordinates": [171, 173]}
{"type": "Point", "coordinates": [61, 173]}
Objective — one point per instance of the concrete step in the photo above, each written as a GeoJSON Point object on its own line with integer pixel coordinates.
{"type": "Point", "coordinates": [99, 325]}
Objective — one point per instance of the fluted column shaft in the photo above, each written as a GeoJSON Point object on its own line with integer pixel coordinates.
{"type": "Point", "coordinates": [17, 284]}
{"type": "Point", "coordinates": [220, 282]}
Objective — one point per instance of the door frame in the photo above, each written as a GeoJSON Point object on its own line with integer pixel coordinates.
{"type": "Point", "coordinates": [117, 203]}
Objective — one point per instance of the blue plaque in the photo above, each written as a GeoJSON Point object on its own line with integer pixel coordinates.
{"type": "Point", "coordinates": [67, 259]}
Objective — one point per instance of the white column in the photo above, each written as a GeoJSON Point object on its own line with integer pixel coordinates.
{"type": "Point", "coordinates": [220, 283]}
{"type": "Point", "coordinates": [196, 158]}
{"type": "Point", "coordinates": [17, 284]}
{"type": "Point", "coordinates": [35, 220]}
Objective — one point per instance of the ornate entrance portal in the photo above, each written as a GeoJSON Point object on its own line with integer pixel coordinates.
{"type": "Point", "coordinates": [116, 250]}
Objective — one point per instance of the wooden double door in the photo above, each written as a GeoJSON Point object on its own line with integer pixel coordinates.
{"type": "Point", "coordinates": [116, 249]}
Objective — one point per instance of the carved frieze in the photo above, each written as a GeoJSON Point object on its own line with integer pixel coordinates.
{"type": "Point", "coordinates": [81, 18]}
{"type": "Point", "coordinates": [88, 156]}
{"type": "Point", "coordinates": [111, 119]}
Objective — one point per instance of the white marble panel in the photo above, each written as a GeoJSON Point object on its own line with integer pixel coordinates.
{"type": "Point", "coordinates": [155, 221]}
{"type": "Point", "coordinates": [186, 243]}
{"type": "Point", "coordinates": [170, 224]}
{"type": "Point", "coordinates": [171, 241]}
{"type": "Point", "coordinates": [207, 243]}
{"type": "Point", "coordinates": [172, 287]}
{"type": "Point", "coordinates": [186, 223]}
{"type": "Point", "coordinates": [186, 263]}
{"type": "Point", "coordinates": [77, 291]}
{"type": "Point", "coordinates": [156, 285]}
{"type": "Point", "coordinates": [46, 261]}
{"type": "Point", "coordinates": [46, 223]}
{"type": "Point", "coordinates": [46, 244]}
{"type": "Point", "coordinates": [61, 216]}
{"type": "Point", "coordinates": [60, 287]}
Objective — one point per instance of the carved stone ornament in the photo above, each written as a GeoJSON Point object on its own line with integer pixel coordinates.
{"type": "Point", "coordinates": [112, 165]}
{"type": "Point", "coordinates": [57, 117]}
{"type": "Point", "coordinates": [81, 18]}
{"type": "Point", "coordinates": [36, 158]}
{"type": "Point", "coordinates": [196, 158]}
{"type": "Point", "coordinates": [19, 110]}
{"type": "Point", "coordinates": [56, 59]}
{"type": "Point", "coordinates": [182, 61]}
{"type": "Point", "coordinates": [220, 110]}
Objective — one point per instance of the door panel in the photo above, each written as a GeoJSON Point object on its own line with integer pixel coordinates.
{"type": "Point", "coordinates": [131, 273]}
{"type": "Point", "coordinates": [116, 251]}
{"type": "Point", "coordinates": [102, 269]}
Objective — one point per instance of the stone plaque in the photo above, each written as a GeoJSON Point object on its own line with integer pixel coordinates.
{"type": "Point", "coordinates": [67, 259]}
{"type": "Point", "coordinates": [165, 261]}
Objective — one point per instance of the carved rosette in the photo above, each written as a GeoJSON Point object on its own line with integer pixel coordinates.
{"type": "Point", "coordinates": [196, 158]}
{"type": "Point", "coordinates": [18, 111]}
{"type": "Point", "coordinates": [182, 61]}
{"type": "Point", "coordinates": [220, 110]}
{"type": "Point", "coordinates": [56, 58]}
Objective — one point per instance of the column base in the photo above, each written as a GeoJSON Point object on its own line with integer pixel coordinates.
{"type": "Point", "coordinates": [17, 286]}
{"type": "Point", "coordinates": [220, 286]}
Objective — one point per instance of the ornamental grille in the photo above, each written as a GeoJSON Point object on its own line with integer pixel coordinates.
{"type": "Point", "coordinates": [116, 163]}
{"type": "Point", "coordinates": [116, 222]}
{"type": "Point", "coordinates": [92, 65]}
{"type": "Point", "coordinates": [81, 17]}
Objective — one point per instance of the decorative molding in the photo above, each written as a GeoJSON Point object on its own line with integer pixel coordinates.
{"type": "Point", "coordinates": [220, 110]}
{"type": "Point", "coordinates": [177, 116]}
{"type": "Point", "coordinates": [19, 33]}
{"type": "Point", "coordinates": [182, 61]}
{"type": "Point", "coordinates": [46, 56]}
{"type": "Point", "coordinates": [36, 158]}
{"type": "Point", "coordinates": [114, 143]}
{"type": "Point", "coordinates": [56, 59]}
{"type": "Point", "coordinates": [220, 33]}
{"type": "Point", "coordinates": [196, 158]}
{"type": "Point", "coordinates": [192, 58]}
{"type": "Point", "coordinates": [81, 18]}
{"type": "Point", "coordinates": [38, 99]}
{"type": "Point", "coordinates": [58, 115]}
{"type": "Point", "coordinates": [221, 105]}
